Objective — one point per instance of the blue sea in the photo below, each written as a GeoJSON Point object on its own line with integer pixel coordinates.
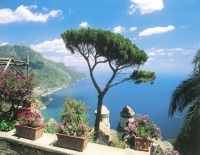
{"type": "Point", "coordinates": [144, 99]}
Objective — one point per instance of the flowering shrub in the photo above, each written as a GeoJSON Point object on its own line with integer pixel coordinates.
{"type": "Point", "coordinates": [143, 127]}
{"type": "Point", "coordinates": [15, 88]}
{"type": "Point", "coordinates": [169, 151]}
{"type": "Point", "coordinates": [73, 129]}
{"type": "Point", "coordinates": [30, 118]}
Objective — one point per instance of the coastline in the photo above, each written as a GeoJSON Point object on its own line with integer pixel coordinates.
{"type": "Point", "coordinates": [52, 91]}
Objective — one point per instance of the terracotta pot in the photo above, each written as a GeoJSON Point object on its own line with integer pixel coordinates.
{"type": "Point", "coordinates": [141, 144]}
{"type": "Point", "coordinates": [29, 132]}
{"type": "Point", "coordinates": [74, 143]}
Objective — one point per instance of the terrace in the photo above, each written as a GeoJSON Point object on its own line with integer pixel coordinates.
{"type": "Point", "coordinates": [46, 145]}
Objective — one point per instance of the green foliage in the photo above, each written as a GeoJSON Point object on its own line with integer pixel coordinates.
{"type": "Point", "coordinates": [7, 123]}
{"type": "Point", "coordinates": [140, 76]}
{"type": "Point", "coordinates": [114, 47]}
{"type": "Point", "coordinates": [188, 139]}
{"type": "Point", "coordinates": [91, 137]}
{"type": "Point", "coordinates": [74, 111]}
{"type": "Point", "coordinates": [50, 128]}
{"type": "Point", "coordinates": [186, 95]}
{"type": "Point", "coordinates": [118, 143]}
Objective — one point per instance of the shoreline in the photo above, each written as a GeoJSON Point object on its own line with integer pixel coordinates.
{"type": "Point", "coordinates": [52, 91]}
{"type": "Point", "coordinates": [62, 87]}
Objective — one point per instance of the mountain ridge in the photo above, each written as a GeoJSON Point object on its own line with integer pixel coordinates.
{"type": "Point", "coordinates": [48, 74]}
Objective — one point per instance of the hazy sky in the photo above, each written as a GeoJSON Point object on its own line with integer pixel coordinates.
{"type": "Point", "coordinates": [168, 30]}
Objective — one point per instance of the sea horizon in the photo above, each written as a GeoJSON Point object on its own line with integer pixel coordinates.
{"type": "Point", "coordinates": [144, 99]}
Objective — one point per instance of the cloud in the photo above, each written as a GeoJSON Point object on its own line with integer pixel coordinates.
{"type": "Point", "coordinates": [133, 28]}
{"type": "Point", "coordinates": [156, 30]}
{"type": "Point", "coordinates": [4, 43]}
{"type": "Point", "coordinates": [83, 24]}
{"type": "Point", "coordinates": [70, 10]}
{"type": "Point", "coordinates": [151, 59]}
{"type": "Point", "coordinates": [23, 13]}
{"type": "Point", "coordinates": [163, 53]}
{"type": "Point", "coordinates": [146, 6]}
{"type": "Point", "coordinates": [182, 27]}
{"type": "Point", "coordinates": [132, 39]}
{"type": "Point", "coordinates": [118, 29]}
{"type": "Point", "coordinates": [159, 50]}
{"type": "Point", "coordinates": [69, 60]}
{"type": "Point", "coordinates": [44, 9]}
{"type": "Point", "coordinates": [54, 58]}
{"type": "Point", "coordinates": [55, 45]}
{"type": "Point", "coordinates": [151, 53]}
{"type": "Point", "coordinates": [179, 50]}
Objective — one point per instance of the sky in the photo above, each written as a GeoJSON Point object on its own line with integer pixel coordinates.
{"type": "Point", "coordinates": [167, 30]}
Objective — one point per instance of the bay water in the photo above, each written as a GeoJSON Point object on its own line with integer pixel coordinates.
{"type": "Point", "coordinates": [144, 99]}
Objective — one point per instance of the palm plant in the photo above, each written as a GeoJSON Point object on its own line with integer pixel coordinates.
{"type": "Point", "coordinates": [187, 95]}
{"type": "Point", "coordinates": [74, 111]}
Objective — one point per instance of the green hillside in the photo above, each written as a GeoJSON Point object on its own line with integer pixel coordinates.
{"type": "Point", "coordinates": [48, 74]}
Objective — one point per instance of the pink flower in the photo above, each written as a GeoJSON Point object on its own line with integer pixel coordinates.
{"type": "Point", "coordinates": [22, 91]}
{"type": "Point", "coordinates": [63, 122]}
{"type": "Point", "coordinates": [145, 121]}
{"type": "Point", "coordinates": [1, 84]}
{"type": "Point", "coordinates": [62, 127]}
{"type": "Point", "coordinates": [40, 123]}
{"type": "Point", "coordinates": [7, 91]}
{"type": "Point", "coordinates": [18, 77]}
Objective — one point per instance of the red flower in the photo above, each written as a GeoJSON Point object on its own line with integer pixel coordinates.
{"type": "Point", "coordinates": [19, 115]}
{"type": "Point", "coordinates": [21, 124]}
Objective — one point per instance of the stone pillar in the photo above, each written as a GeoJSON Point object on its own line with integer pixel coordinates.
{"type": "Point", "coordinates": [126, 115]}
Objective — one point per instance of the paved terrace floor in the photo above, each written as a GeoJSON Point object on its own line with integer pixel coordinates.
{"type": "Point", "coordinates": [47, 141]}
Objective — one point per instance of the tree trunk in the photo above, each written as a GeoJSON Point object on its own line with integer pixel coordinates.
{"type": "Point", "coordinates": [98, 116]}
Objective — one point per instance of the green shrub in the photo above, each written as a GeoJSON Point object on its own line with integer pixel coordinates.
{"type": "Point", "coordinates": [50, 128]}
{"type": "Point", "coordinates": [7, 123]}
{"type": "Point", "coordinates": [74, 111]}
{"type": "Point", "coordinates": [118, 143]}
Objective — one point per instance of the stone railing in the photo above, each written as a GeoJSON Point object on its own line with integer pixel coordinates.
{"type": "Point", "coordinates": [10, 144]}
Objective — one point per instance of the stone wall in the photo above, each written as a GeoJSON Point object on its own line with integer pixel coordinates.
{"type": "Point", "coordinates": [12, 147]}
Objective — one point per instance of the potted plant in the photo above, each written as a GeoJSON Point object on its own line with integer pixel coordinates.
{"type": "Point", "coordinates": [143, 129]}
{"type": "Point", "coordinates": [72, 136]}
{"type": "Point", "coordinates": [73, 132]}
{"type": "Point", "coordinates": [29, 125]}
